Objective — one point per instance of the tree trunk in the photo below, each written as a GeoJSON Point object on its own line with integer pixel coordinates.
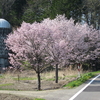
{"type": "Point", "coordinates": [39, 81]}
{"type": "Point", "coordinates": [56, 81]}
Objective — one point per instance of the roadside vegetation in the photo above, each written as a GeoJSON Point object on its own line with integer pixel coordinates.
{"type": "Point", "coordinates": [82, 79]}
{"type": "Point", "coordinates": [39, 99]}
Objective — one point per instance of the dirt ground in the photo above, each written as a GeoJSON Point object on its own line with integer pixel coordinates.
{"type": "Point", "coordinates": [28, 85]}
{"type": "Point", "coordinates": [12, 97]}
{"type": "Point", "coordinates": [31, 85]}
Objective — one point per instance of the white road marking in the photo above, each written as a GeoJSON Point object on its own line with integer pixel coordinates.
{"type": "Point", "coordinates": [73, 97]}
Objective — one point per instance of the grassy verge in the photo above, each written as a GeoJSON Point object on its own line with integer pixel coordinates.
{"type": "Point", "coordinates": [25, 78]}
{"type": "Point", "coordinates": [7, 84]}
{"type": "Point", "coordinates": [39, 99]}
{"type": "Point", "coordinates": [82, 79]}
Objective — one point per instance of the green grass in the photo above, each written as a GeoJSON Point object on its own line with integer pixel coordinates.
{"type": "Point", "coordinates": [9, 89]}
{"type": "Point", "coordinates": [38, 99]}
{"type": "Point", "coordinates": [1, 76]}
{"type": "Point", "coordinates": [25, 78]}
{"type": "Point", "coordinates": [6, 84]}
{"type": "Point", "coordinates": [96, 72]}
{"type": "Point", "coordinates": [71, 76]}
{"type": "Point", "coordinates": [50, 79]}
{"type": "Point", "coordinates": [53, 79]}
{"type": "Point", "coordinates": [81, 80]}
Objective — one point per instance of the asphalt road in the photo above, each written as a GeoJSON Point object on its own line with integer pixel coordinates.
{"type": "Point", "coordinates": [90, 92]}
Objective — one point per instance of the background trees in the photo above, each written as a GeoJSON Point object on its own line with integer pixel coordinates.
{"type": "Point", "coordinates": [91, 12]}
{"type": "Point", "coordinates": [36, 10]}
{"type": "Point", "coordinates": [5, 6]}
{"type": "Point", "coordinates": [86, 45]}
{"type": "Point", "coordinates": [15, 11]}
{"type": "Point", "coordinates": [71, 8]}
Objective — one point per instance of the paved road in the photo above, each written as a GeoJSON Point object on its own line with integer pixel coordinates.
{"type": "Point", "coordinates": [92, 92]}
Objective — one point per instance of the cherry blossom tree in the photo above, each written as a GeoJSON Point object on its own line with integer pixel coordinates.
{"type": "Point", "coordinates": [86, 46]}
{"type": "Point", "coordinates": [63, 40]}
{"type": "Point", "coordinates": [28, 44]}
{"type": "Point", "coordinates": [57, 47]}
{"type": "Point", "coordinates": [72, 42]}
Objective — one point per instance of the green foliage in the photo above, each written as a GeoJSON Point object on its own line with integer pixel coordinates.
{"type": "Point", "coordinates": [37, 10]}
{"type": "Point", "coordinates": [67, 7]}
{"type": "Point", "coordinates": [92, 13]}
{"type": "Point", "coordinates": [16, 12]}
{"type": "Point", "coordinates": [34, 11]}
